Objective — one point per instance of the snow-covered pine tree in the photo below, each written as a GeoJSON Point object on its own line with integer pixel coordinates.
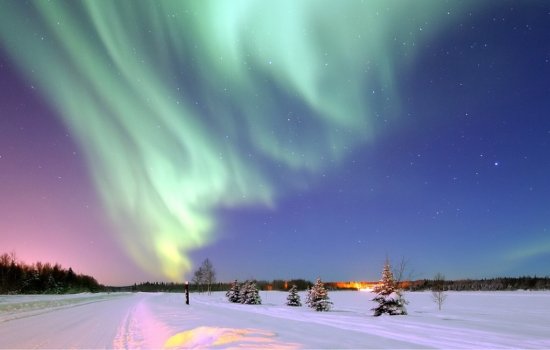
{"type": "Point", "coordinates": [256, 299]}
{"type": "Point", "coordinates": [293, 298]}
{"type": "Point", "coordinates": [318, 297]}
{"type": "Point", "coordinates": [388, 295]}
{"type": "Point", "coordinates": [233, 293]}
{"type": "Point", "coordinates": [250, 294]}
{"type": "Point", "coordinates": [242, 292]}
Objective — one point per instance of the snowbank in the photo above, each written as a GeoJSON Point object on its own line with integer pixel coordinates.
{"type": "Point", "coordinates": [141, 320]}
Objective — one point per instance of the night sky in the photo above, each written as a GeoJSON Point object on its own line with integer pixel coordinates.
{"type": "Point", "coordinates": [280, 139]}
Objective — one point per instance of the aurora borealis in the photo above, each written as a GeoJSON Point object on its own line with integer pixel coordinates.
{"type": "Point", "coordinates": [254, 132]}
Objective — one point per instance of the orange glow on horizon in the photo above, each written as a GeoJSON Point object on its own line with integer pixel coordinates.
{"type": "Point", "coordinates": [363, 286]}
{"type": "Point", "coordinates": [357, 285]}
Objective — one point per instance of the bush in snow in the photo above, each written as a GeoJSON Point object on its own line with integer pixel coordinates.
{"type": "Point", "coordinates": [249, 294]}
{"type": "Point", "coordinates": [233, 293]}
{"type": "Point", "coordinates": [388, 296]}
{"type": "Point", "coordinates": [293, 299]}
{"type": "Point", "coordinates": [317, 297]}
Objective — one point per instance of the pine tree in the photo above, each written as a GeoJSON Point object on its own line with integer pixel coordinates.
{"type": "Point", "coordinates": [293, 299]}
{"type": "Point", "coordinates": [249, 294]}
{"type": "Point", "coordinates": [233, 293]}
{"type": "Point", "coordinates": [242, 292]}
{"type": "Point", "coordinates": [254, 294]}
{"type": "Point", "coordinates": [317, 297]}
{"type": "Point", "coordinates": [308, 296]}
{"type": "Point", "coordinates": [388, 296]}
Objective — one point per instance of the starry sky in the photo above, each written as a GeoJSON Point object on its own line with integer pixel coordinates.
{"type": "Point", "coordinates": [280, 139]}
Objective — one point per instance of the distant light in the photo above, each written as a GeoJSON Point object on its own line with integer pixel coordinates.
{"type": "Point", "coordinates": [497, 163]}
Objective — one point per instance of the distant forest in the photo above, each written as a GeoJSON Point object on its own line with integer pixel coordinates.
{"type": "Point", "coordinates": [218, 286]}
{"type": "Point", "coordinates": [491, 284]}
{"type": "Point", "coordinates": [44, 278]}
{"type": "Point", "coordinates": [41, 278]}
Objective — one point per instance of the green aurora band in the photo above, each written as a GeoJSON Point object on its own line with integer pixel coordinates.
{"type": "Point", "coordinates": [186, 107]}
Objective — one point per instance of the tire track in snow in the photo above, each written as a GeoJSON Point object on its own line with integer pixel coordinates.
{"type": "Point", "coordinates": [141, 328]}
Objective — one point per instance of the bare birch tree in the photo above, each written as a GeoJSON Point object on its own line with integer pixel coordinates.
{"type": "Point", "coordinates": [209, 274]}
{"type": "Point", "coordinates": [198, 279]}
{"type": "Point", "coordinates": [438, 290]}
{"type": "Point", "coordinates": [205, 275]}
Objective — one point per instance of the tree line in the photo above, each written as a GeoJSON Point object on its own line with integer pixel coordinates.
{"type": "Point", "coordinates": [489, 284]}
{"type": "Point", "coordinates": [17, 277]}
{"type": "Point", "coordinates": [494, 284]}
{"type": "Point", "coordinates": [201, 286]}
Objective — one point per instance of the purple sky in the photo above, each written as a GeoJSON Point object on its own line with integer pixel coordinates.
{"type": "Point", "coordinates": [455, 178]}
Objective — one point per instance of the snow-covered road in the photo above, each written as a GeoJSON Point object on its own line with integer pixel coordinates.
{"type": "Point", "coordinates": [87, 321]}
{"type": "Point", "coordinates": [141, 320]}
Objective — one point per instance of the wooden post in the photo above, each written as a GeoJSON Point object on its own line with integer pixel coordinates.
{"type": "Point", "coordinates": [187, 292]}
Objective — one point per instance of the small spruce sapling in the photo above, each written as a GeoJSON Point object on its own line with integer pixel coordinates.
{"type": "Point", "coordinates": [250, 294]}
{"type": "Point", "coordinates": [388, 295]}
{"type": "Point", "coordinates": [242, 292]}
{"type": "Point", "coordinates": [293, 298]}
{"type": "Point", "coordinates": [317, 297]}
{"type": "Point", "coordinates": [233, 293]}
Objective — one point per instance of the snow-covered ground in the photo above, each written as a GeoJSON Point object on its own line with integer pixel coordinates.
{"type": "Point", "coordinates": [141, 320]}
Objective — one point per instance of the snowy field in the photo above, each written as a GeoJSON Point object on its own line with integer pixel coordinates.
{"type": "Point", "coordinates": [141, 320]}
